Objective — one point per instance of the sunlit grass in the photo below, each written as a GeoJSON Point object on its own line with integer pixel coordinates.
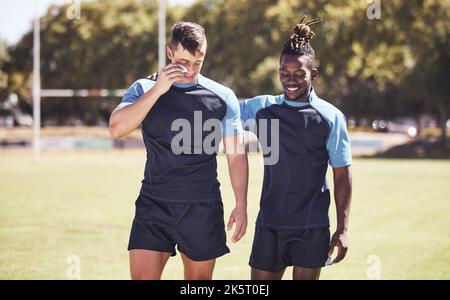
{"type": "Point", "coordinates": [82, 203]}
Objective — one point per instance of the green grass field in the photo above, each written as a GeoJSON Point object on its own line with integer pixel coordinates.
{"type": "Point", "coordinates": [82, 203]}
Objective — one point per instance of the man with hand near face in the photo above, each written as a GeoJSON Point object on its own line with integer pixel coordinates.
{"type": "Point", "coordinates": [179, 203]}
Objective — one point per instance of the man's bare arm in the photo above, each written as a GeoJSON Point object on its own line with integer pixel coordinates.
{"type": "Point", "coordinates": [342, 196]}
{"type": "Point", "coordinates": [125, 119]}
{"type": "Point", "coordinates": [238, 169]}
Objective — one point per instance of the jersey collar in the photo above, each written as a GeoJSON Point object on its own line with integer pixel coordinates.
{"type": "Point", "coordinates": [311, 98]}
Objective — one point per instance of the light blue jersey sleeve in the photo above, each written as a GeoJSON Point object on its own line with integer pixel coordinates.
{"type": "Point", "coordinates": [250, 107]}
{"type": "Point", "coordinates": [338, 142]}
{"type": "Point", "coordinates": [135, 91]}
{"type": "Point", "coordinates": [231, 122]}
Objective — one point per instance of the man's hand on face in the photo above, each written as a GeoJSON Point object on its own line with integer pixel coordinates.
{"type": "Point", "coordinates": [168, 76]}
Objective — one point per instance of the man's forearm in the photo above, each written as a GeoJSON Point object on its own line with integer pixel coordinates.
{"type": "Point", "coordinates": [126, 119]}
{"type": "Point", "coordinates": [238, 168]}
{"type": "Point", "coordinates": [342, 196]}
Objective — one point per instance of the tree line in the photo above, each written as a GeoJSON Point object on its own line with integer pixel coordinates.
{"type": "Point", "coordinates": [394, 65]}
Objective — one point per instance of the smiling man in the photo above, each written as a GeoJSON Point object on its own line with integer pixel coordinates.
{"type": "Point", "coordinates": [292, 227]}
{"type": "Point", "coordinates": [179, 203]}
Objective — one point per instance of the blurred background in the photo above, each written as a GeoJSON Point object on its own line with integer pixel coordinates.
{"type": "Point", "coordinates": [66, 214]}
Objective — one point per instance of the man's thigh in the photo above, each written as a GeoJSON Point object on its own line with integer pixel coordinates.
{"type": "Point", "coordinates": [147, 264]}
{"type": "Point", "coordinates": [198, 270]}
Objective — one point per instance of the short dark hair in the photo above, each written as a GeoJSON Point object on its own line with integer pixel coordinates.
{"type": "Point", "coordinates": [190, 35]}
{"type": "Point", "coordinates": [299, 41]}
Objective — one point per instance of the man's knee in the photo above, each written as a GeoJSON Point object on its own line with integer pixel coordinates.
{"type": "Point", "coordinates": [257, 274]}
{"type": "Point", "coordinates": [193, 273]}
{"type": "Point", "coordinates": [198, 276]}
{"type": "Point", "coordinates": [144, 275]}
{"type": "Point", "coordinates": [306, 274]}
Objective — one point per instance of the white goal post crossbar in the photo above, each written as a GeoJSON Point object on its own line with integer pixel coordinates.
{"type": "Point", "coordinates": [38, 92]}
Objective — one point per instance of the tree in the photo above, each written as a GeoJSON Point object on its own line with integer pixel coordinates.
{"type": "Point", "coordinates": [428, 36]}
{"type": "Point", "coordinates": [111, 45]}
{"type": "Point", "coordinates": [395, 66]}
{"type": "Point", "coordinates": [4, 58]}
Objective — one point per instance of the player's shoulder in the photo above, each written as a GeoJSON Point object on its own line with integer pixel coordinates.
{"type": "Point", "coordinates": [140, 86]}
{"type": "Point", "coordinates": [145, 83]}
{"type": "Point", "coordinates": [267, 100]}
{"type": "Point", "coordinates": [262, 101]}
{"type": "Point", "coordinates": [219, 89]}
{"type": "Point", "coordinates": [328, 110]}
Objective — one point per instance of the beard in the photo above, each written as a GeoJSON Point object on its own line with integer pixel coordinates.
{"type": "Point", "coordinates": [301, 94]}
